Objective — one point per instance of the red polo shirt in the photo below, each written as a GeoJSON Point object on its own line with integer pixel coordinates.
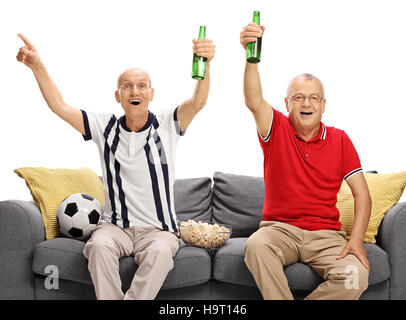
{"type": "Point", "coordinates": [302, 178]}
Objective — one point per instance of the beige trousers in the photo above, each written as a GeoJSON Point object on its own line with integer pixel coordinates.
{"type": "Point", "coordinates": [153, 251]}
{"type": "Point", "coordinates": [276, 244]}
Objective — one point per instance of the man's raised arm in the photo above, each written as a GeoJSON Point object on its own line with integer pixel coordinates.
{"type": "Point", "coordinates": [30, 57]}
{"type": "Point", "coordinates": [254, 100]}
{"type": "Point", "coordinates": [188, 109]}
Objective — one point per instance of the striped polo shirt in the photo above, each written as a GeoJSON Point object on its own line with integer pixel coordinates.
{"type": "Point", "coordinates": [302, 178]}
{"type": "Point", "coordinates": [138, 168]}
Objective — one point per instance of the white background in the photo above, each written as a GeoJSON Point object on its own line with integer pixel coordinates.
{"type": "Point", "coordinates": [357, 48]}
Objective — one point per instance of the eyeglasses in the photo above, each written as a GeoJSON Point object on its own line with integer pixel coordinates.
{"type": "Point", "coordinates": [300, 99]}
{"type": "Point", "coordinates": [142, 86]}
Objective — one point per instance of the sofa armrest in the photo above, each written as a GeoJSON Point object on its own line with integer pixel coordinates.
{"type": "Point", "coordinates": [392, 239]}
{"type": "Point", "coordinates": [21, 229]}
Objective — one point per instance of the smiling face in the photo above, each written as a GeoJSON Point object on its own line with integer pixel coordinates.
{"type": "Point", "coordinates": [134, 92]}
{"type": "Point", "coordinates": [305, 115]}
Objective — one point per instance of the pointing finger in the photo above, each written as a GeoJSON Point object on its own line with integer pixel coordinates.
{"type": "Point", "coordinates": [26, 41]}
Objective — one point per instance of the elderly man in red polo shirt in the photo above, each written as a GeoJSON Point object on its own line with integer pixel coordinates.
{"type": "Point", "coordinates": [305, 163]}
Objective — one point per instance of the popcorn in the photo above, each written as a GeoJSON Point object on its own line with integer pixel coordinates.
{"type": "Point", "coordinates": [203, 234]}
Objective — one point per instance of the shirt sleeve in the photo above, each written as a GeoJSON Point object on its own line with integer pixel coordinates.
{"type": "Point", "coordinates": [266, 141]}
{"type": "Point", "coordinates": [95, 124]}
{"type": "Point", "coordinates": [351, 164]}
{"type": "Point", "coordinates": [170, 123]}
{"type": "Point", "coordinates": [177, 123]}
{"type": "Point", "coordinates": [170, 126]}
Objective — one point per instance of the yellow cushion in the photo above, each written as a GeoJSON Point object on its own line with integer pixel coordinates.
{"type": "Point", "coordinates": [49, 187]}
{"type": "Point", "coordinates": [385, 191]}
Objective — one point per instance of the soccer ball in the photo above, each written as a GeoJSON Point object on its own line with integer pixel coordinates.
{"type": "Point", "coordinates": [78, 215]}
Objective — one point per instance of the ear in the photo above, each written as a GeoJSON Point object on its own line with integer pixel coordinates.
{"type": "Point", "coordinates": [117, 94]}
{"type": "Point", "coordinates": [323, 107]}
{"type": "Point", "coordinates": [151, 97]}
{"type": "Point", "coordinates": [287, 104]}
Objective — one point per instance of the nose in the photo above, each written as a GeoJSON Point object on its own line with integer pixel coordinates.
{"type": "Point", "coordinates": [306, 102]}
{"type": "Point", "coordinates": [134, 90]}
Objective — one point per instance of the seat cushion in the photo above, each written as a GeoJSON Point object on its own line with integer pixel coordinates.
{"type": "Point", "coordinates": [191, 265]}
{"type": "Point", "coordinates": [229, 266]}
{"type": "Point", "coordinates": [238, 201]}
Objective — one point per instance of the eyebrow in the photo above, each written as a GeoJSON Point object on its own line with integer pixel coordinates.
{"type": "Point", "coordinates": [128, 81]}
{"type": "Point", "coordinates": [312, 94]}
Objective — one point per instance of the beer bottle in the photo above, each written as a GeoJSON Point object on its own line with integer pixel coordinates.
{"type": "Point", "coordinates": [254, 48]}
{"type": "Point", "coordinates": [199, 63]}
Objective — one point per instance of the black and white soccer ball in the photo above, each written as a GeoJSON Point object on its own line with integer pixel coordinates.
{"type": "Point", "coordinates": [78, 215]}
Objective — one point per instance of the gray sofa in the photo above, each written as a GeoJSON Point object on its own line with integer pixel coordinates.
{"type": "Point", "coordinates": [234, 200]}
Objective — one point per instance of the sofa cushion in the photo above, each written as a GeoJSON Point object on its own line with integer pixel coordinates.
{"type": "Point", "coordinates": [229, 266]}
{"type": "Point", "coordinates": [193, 199]}
{"type": "Point", "coordinates": [192, 265]}
{"type": "Point", "coordinates": [238, 201]}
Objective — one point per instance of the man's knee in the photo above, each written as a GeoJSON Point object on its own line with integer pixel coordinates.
{"type": "Point", "coordinates": [98, 248]}
{"type": "Point", "coordinates": [252, 244]}
{"type": "Point", "coordinates": [165, 255]}
{"type": "Point", "coordinates": [257, 242]}
{"type": "Point", "coordinates": [258, 246]}
{"type": "Point", "coordinates": [167, 246]}
{"type": "Point", "coordinates": [354, 278]}
{"type": "Point", "coordinates": [158, 257]}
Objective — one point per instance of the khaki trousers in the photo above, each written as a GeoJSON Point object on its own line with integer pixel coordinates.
{"type": "Point", "coordinates": [153, 251]}
{"type": "Point", "coordinates": [278, 244]}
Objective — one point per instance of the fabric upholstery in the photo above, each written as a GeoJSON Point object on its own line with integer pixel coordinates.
{"type": "Point", "coordinates": [21, 229]}
{"type": "Point", "coordinates": [393, 240]}
{"type": "Point", "coordinates": [193, 199]}
{"type": "Point", "coordinates": [238, 201]}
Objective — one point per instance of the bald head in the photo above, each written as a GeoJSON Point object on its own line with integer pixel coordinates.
{"type": "Point", "coordinates": [303, 77]}
{"type": "Point", "coordinates": [131, 71]}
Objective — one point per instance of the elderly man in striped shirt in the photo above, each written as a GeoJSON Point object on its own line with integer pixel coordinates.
{"type": "Point", "coordinates": [137, 153]}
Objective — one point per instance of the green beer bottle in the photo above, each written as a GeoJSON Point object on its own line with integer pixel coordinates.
{"type": "Point", "coordinates": [254, 48]}
{"type": "Point", "coordinates": [199, 63]}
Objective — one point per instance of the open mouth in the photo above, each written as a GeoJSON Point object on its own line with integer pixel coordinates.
{"type": "Point", "coordinates": [135, 102]}
{"type": "Point", "coordinates": [306, 113]}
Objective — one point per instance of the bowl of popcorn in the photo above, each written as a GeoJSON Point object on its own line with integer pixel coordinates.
{"type": "Point", "coordinates": [204, 234]}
